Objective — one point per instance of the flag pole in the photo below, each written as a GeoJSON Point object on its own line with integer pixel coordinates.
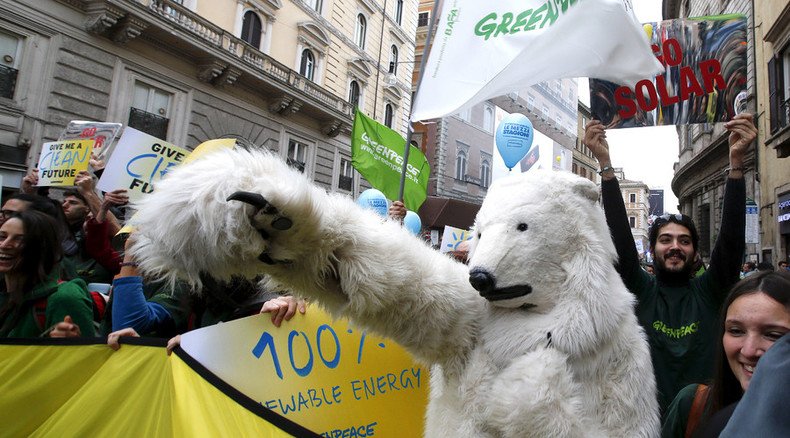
{"type": "Point", "coordinates": [410, 128]}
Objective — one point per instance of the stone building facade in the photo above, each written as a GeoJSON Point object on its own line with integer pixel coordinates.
{"type": "Point", "coordinates": [280, 74]}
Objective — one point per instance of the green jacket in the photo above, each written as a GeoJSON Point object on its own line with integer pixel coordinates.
{"type": "Point", "coordinates": [68, 298]}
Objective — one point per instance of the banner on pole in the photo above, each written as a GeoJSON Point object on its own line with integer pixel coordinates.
{"type": "Point", "coordinates": [61, 161]}
{"type": "Point", "coordinates": [703, 81]}
{"type": "Point", "coordinates": [488, 49]}
{"type": "Point", "coordinates": [377, 154]}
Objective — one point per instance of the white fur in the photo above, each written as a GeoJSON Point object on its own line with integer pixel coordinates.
{"type": "Point", "coordinates": [495, 373]}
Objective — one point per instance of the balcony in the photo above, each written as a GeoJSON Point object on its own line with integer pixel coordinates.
{"type": "Point", "coordinates": [221, 58]}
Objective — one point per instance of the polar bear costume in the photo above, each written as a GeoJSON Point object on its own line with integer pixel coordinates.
{"type": "Point", "coordinates": [547, 346]}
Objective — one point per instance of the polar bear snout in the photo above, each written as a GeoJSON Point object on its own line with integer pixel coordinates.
{"type": "Point", "coordinates": [485, 283]}
{"type": "Point", "coordinates": [482, 280]}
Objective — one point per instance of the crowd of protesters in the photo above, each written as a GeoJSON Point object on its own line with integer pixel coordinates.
{"type": "Point", "coordinates": [66, 273]}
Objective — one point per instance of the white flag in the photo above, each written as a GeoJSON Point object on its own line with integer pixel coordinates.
{"type": "Point", "coordinates": [485, 49]}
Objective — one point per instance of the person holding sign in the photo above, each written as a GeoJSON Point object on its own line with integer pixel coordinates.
{"type": "Point", "coordinates": [678, 311]}
{"type": "Point", "coordinates": [35, 303]}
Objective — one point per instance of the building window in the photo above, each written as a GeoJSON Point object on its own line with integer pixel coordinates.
{"type": "Point", "coordinates": [345, 180]}
{"type": "Point", "coordinates": [488, 119]}
{"type": "Point", "coordinates": [531, 100]}
{"type": "Point", "coordinates": [353, 94]}
{"type": "Point", "coordinates": [316, 5]}
{"type": "Point", "coordinates": [307, 66]}
{"type": "Point", "coordinates": [779, 86]}
{"type": "Point", "coordinates": [251, 29]}
{"type": "Point", "coordinates": [632, 197]}
{"type": "Point", "coordinates": [703, 228]}
{"type": "Point", "coordinates": [359, 35]}
{"type": "Point", "coordinates": [485, 174]}
{"type": "Point", "coordinates": [574, 169]}
{"type": "Point", "coordinates": [10, 47]}
{"type": "Point", "coordinates": [632, 221]}
{"type": "Point", "coordinates": [399, 11]}
{"type": "Point", "coordinates": [150, 110]}
{"type": "Point", "coordinates": [297, 155]}
{"type": "Point", "coordinates": [545, 112]}
{"type": "Point", "coordinates": [389, 112]}
{"type": "Point", "coordinates": [394, 60]}
{"type": "Point", "coordinates": [460, 165]}
{"type": "Point", "coordinates": [466, 115]}
{"type": "Point", "coordinates": [422, 19]}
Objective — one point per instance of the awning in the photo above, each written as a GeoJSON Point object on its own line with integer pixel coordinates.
{"type": "Point", "coordinates": [437, 212]}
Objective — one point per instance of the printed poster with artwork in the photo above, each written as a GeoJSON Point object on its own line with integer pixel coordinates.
{"type": "Point", "coordinates": [453, 237]}
{"type": "Point", "coordinates": [61, 161]}
{"type": "Point", "coordinates": [103, 134]}
{"type": "Point", "coordinates": [704, 79]}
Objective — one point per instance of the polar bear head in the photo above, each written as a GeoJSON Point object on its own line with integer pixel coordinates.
{"type": "Point", "coordinates": [536, 236]}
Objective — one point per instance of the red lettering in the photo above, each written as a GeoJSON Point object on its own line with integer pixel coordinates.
{"type": "Point", "coordinates": [663, 93]}
{"type": "Point", "coordinates": [711, 73]}
{"type": "Point", "coordinates": [622, 95]}
{"type": "Point", "coordinates": [657, 54]}
{"type": "Point", "coordinates": [688, 83]}
{"type": "Point", "coordinates": [641, 87]}
{"type": "Point", "coordinates": [673, 54]}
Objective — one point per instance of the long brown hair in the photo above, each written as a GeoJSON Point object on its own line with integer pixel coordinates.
{"type": "Point", "coordinates": [725, 388]}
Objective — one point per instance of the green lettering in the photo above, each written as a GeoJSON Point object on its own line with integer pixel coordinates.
{"type": "Point", "coordinates": [535, 18]}
{"type": "Point", "coordinates": [521, 20]}
{"type": "Point", "coordinates": [507, 18]}
{"type": "Point", "coordinates": [552, 13]}
{"type": "Point", "coordinates": [485, 27]}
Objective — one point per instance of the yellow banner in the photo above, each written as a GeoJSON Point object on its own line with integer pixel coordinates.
{"type": "Point", "coordinates": [88, 390]}
{"type": "Point", "coordinates": [333, 378]}
{"type": "Point", "coordinates": [61, 161]}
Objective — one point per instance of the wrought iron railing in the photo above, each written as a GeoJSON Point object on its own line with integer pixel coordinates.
{"type": "Point", "coordinates": [149, 123]}
{"type": "Point", "coordinates": [7, 81]}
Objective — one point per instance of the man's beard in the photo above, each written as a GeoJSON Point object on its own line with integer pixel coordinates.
{"type": "Point", "coordinates": [673, 275]}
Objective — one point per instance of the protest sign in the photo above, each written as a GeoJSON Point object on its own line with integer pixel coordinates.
{"type": "Point", "coordinates": [377, 154]}
{"type": "Point", "coordinates": [138, 162]}
{"type": "Point", "coordinates": [488, 49]}
{"type": "Point", "coordinates": [704, 74]}
{"type": "Point", "coordinates": [61, 161]}
{"type": "Point", "coordinates": [103, 133]}
{"type": "Point", "coordinates": [452, 237]}
{"type": "Point", "coordinates": [324, 374]}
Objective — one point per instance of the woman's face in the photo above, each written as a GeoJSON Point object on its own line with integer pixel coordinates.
{"type": "Point", "coordinates": [754, 322]}
{"type": "Point", "coordinates": [12, 240]}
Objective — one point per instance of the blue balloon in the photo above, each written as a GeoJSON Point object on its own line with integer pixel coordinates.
{"type": "Point", "coordinates": [373, 199]}
{"type": "Point", "coordinates": [514, 138]}
{"type": "Point", "coordinates": [412, 222]}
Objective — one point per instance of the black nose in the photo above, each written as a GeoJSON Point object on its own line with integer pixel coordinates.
{"type": "Point", "coordinates": [482, 280]}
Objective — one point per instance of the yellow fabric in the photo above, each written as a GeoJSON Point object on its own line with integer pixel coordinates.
{"type": "Point", "coordinates": [137, 391]}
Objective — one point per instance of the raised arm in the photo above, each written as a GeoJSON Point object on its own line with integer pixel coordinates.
{"type": "Point", "coordinates": [727, 254]}
{"type": "Point", "coordinates": [613, 205]}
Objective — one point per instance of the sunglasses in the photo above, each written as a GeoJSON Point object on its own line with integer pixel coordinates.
{"type": "Point", "coordinates": [667, 217]}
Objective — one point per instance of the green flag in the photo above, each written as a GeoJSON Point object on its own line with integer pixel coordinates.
{"type": "Point", "coordinates": [377, 154]}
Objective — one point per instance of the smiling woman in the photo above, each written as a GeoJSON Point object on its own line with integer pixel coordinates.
{"type": "Point", "coordinates": [755, 315]}
{"type": "Point", "coordinates": [33, 303]}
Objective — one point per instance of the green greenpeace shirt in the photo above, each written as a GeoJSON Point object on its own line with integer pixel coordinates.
{"type": "Point", "coordinates": [680, 319]}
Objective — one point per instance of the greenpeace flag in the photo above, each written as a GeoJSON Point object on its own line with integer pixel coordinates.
{"type": "Point", "coordinates": [486, 49]}
{"type": "Point", "coordinates": [377, 154]}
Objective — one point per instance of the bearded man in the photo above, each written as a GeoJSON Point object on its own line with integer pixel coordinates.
{"type": "Point", "coordinates": [679, 311]}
